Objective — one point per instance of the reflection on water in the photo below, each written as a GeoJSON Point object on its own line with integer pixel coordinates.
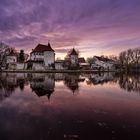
{"type": "Point", "coordinates": [101, 78]}
{"type": "Point", "coordinates": [71, 81]}
{"type": "Point", "coordinates": [44, 84]}
{"type": "Point", "coordinates": [130, 82]}
{"type": "Point", "coordinates": [69, 106]}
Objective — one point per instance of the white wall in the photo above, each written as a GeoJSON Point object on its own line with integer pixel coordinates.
{"type": "Point", "coordinates": [37, 66]}
{"type": "Point", "coordinates": [49, 58]}
{"type": "Point", "coordinates": [11, 59]}
{"type": "Point", "coordinates": [20, 66]}
{"type": "Point", "coordinates": [12, 66]}
{"type": "Point", "coordinates": [104, 64]}
{"type": "Point", "coordinates": [59, 66]}
{"type": "Point", "coordinates": [36, 56]}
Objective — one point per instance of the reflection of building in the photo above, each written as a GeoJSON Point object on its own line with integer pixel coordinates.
{"type": "Point", "coordinates": [42, 57]}
{"type": "Point", "coordinates": [71, 81]}
{"type": "Point", "coordinates": [100, 78]}
{"type": "Point", "coordinates": [59, 76]}
{"type": "Point", "coordinates": [43, 84]}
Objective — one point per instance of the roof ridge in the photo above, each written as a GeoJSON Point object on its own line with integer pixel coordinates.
{"type": "Point", "coordinates": [42, 48]}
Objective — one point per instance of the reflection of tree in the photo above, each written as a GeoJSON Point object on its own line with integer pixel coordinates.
{"type": "Point", "coordinates": [130, 82]}
{"type": "Point", "coordinates": [6, 86]}
{"type": "Point", "coordinates": [43, 84]}
{"type": "Point", "coordinates": [59, 77]}
{"type": "Point", "coordinates": [71, 81]}
{"type": "Point", "coordinates": [9, 83]}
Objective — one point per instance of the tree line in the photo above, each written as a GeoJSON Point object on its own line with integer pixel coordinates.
{"type": "Point", "coordinates": [5, 50]}
{"type": "Point", "coordinates": [128, 60]}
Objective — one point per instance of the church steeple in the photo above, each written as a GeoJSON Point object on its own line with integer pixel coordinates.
{"type": "Point", "coordinates": [73, 52]}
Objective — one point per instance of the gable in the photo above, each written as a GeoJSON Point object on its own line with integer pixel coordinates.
{"type": "Point", "coordinates": [43, 48]}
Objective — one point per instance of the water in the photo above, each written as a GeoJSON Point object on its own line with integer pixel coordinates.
{"type": "Point", "coordinates": [69, 106]}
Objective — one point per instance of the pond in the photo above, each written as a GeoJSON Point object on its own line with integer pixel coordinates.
{"type": "Point", "coordinates": [69, 106]}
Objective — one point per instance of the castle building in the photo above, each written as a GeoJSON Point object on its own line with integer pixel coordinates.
{"type": "Point", "coordinates": [43, 56]}
{"type": "Point", "coordinates": [73, 58]}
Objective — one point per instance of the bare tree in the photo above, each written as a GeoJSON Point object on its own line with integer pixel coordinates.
{"type": "Point", "coordinates": [4, 51]}
{"type": "Point", "coordinates": [113, 57]}
{"type": "Point", "coordinates": [90, 60]}
{"type": "Point", "coordinates": [130, 58]}
{"type": "Point", "coordinates": [136, 56]}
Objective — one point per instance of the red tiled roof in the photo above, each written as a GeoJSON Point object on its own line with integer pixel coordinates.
{"type": "Point", "coordinates": [81, 60]}
{"type": "Point", "coordinates": [42, 48]}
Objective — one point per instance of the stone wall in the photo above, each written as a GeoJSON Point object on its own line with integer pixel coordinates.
{"type": "Point", "coordinates": [59, 66]}
{"type": "Point", "coordinates": [20, 66]}
{"type": "Point", "coordinates": [38, 66]}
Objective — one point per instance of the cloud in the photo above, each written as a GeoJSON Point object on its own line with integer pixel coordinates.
{"type": "Point", "coordinates": [70, 23]}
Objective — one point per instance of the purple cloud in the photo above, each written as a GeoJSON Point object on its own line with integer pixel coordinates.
{"type": "Point", "coordinates": [96, 26]}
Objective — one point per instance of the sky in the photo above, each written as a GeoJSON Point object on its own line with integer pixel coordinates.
{"type": "Point", "coordinates": [94, 27]}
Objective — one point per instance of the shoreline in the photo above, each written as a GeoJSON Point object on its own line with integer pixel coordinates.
{"type": "Point", "coordinates": [55, 71]}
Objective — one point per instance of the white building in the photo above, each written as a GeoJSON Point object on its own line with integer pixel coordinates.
{"type": "Point", "coordinates": [74, 58]}
{"type": "Point", "coordinates": [43, 56]}
{"type": "Point", "coordinates": [11, 57]}
{"type": "Point", "coordinates": [11, 60]}
{"type": "Point", "coordinates": [105, 63]}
